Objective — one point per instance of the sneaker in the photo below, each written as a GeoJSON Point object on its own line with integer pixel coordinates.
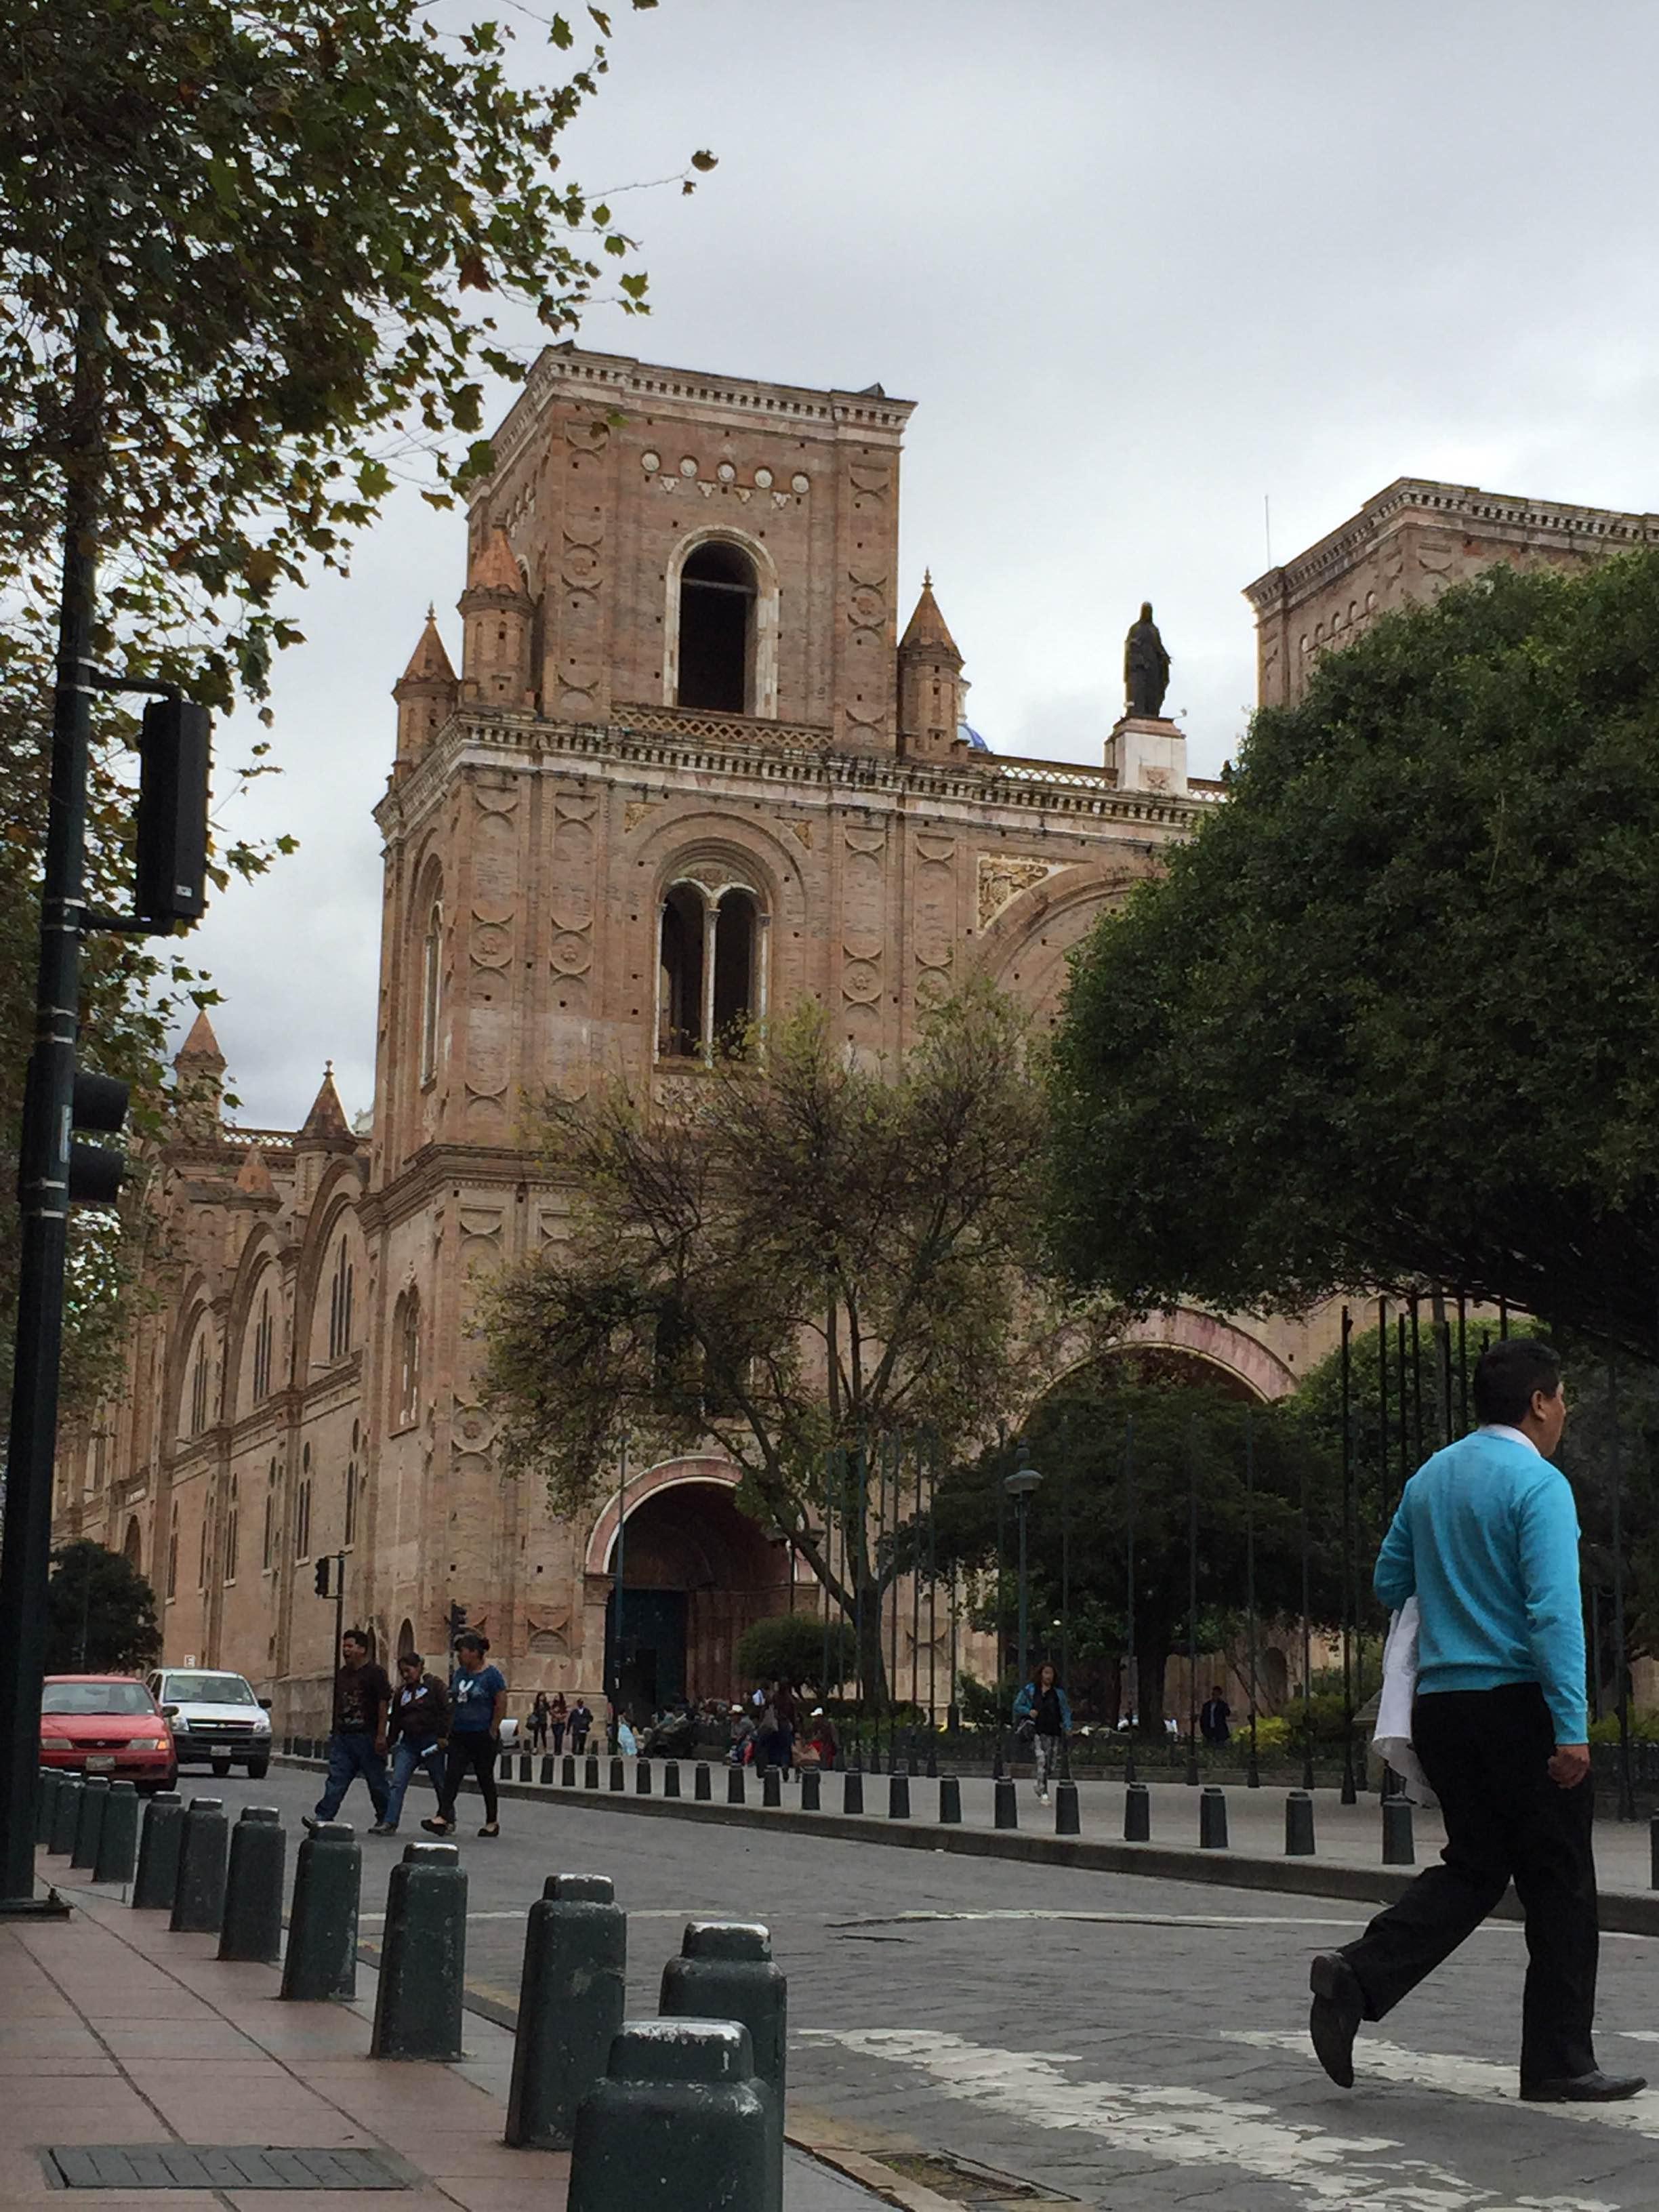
{"type": "Point", "coordinates": [490, 1828]}
{"type": "Point", "coordinates": [310, 1823]}
{"type": "Point", "coordinates": [384, 1828]}
{"type": "Point", "coordinates": [1043, 1796]}
{"type": "Point", "coordinates": [437, 1827]}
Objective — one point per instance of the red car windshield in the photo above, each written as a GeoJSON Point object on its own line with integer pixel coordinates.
{"type": "Point", "coordinates": [96, 1697]}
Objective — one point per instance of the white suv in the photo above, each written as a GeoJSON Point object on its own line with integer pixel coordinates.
{"type": "Point", "coordinates": [215, 1718]}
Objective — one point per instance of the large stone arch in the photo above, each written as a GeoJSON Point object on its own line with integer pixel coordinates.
{"type": "Point", "coordinates": [1213, 1340]}
{"type": "Point", "coordinates": [263, 1252]}
{"type": "Point", "coordinates": [1026, 947]}
{"type": "Point", "coordinates": [763, 675]}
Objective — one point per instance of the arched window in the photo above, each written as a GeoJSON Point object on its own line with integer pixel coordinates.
{"type": "Point", "coordinates": [132, 1547]}
{"type": "Point", "coordinates": [262, 1335]}
{"type": "Point", "coordinates": [737, 923]}
{"type": "Point", "coordinates": [432, 954]}
{"type": "Point", "coordinates": [200, 1375]}
{"type": "Point", "coordinates": [204, 1549]}
{"type": "Point", "coordinates": [268, 1549]}
{"type": "Point", "coordinates": [409, 1359]}
{"type": "Point", "coordinates": [680, 1019]}
{"type": "Point", "coordinates": [717, 592]}
{"type": "Point", "coordinates": [233, 1527]}
{"type": "Point", "coordinates": [350, 1536]}
{"type": "Point", "coordinates": [710, 983]}
{"type": "Point", "coordinates": [172, 1553]}
{"type": "Point", "coordinates": [339, 1304]}
{"type": "Point", "coordinates": [302, 1509]}
{"type": "Point", "coordinates": [405, 1637]}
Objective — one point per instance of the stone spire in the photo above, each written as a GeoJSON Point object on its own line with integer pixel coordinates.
{"type": "Point", "coordinates": [326, 1122]}
{"type": "Point", "coordinates": [426, 694]}
{"type": "Point", "coordinates": [932, 694]}
{"type": "Point", "coordinates": [253, 1177]}
{"type": "Point", "coordinates": [198, 1068]}
{"type": "Point", "coordinates": [496, 611]}
{"type": "Point", "coordinates": [201, 1047]}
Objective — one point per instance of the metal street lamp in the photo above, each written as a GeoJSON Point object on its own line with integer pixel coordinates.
{"type": "Point", "coordinates": [1019, 1486]}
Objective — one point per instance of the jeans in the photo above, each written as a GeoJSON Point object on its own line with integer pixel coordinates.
{"type": "Point", "coordinates": [1045, 1751]}
{"type": "Point", "coordinates": [475, 1749]}
{"type": "Point", "coordinates": [404, 1760]}
{"type": "Point", "coordinates": [558, 1738]}
{"type": "Point", "coordinates": [350, 1756]}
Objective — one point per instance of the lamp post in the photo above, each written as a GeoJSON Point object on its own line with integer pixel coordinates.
{"type": "Point", "coordinates": [1019, 1486]}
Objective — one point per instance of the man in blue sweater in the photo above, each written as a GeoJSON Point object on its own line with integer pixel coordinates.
{"type": "Point", "coordinates": [1486, 1540]}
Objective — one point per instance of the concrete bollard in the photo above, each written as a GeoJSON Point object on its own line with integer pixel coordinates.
{"type": "Point", "coordinates": [642, 1779]}
{"type": "Point", "coordinates": [702, 1784]}
{"type": "Point", "coordinates": [950, 1801]}
{"type": "Point", "coordinates": [591, 1771]}
{"type": "Point", "coordinates": [811, 1789]}
{"type": "Point", "coordinates": [89, 1820]}
{"type": "Point", "coordinates": [158, 1852]}
{"type": "Point", "coordinates": [418, 2008]}
{"type": "Point", "coordinates": [1008, 1803]}
{"type": "Point", "coordinates": [898, 1797]}
{"type": "Point", "coordinates": [117, 1838]}
{"type": "Point", "coordinates": [671, 1777]}
{"type": "Point", "coordinates": [734, 1789]}
{"type": "Point", "coordinates": [678, 2120]}
{"type": "Point", "coordinates": [252, 1928]}
{"type": "Point", "coordinates": [545, 1778]}
{"type": "Point", "coordinates": [1067, 1818]}
{"type": "Point", "coordinates": [1136, 1813]}
{"type": "Point", "coordinates": [51, 1781]}
{"type": "Point", "coordinates": [725, 1972]}
{"type": "Point", "coordinates": [851, 1792]}
{"type": "Point", "coordinates": [568, 1772]}
{"type": "Point", "coordinates": [771, 1786]}
{"type": "Point", "coordinates": [1398, 1849]}
{"type": "Point", "coordinates": [618, 1775]}
{"type": "Point", "coordinates": [572, 1997]}
{"type": "Point", "coordinates": [321, 1959]}
{"type": "Point", "coordinates": [1298, 1825]}
{"type": "Point", "coordinates": [65, 1813]}
{"type": "Point", "coordinates": [199, 1896]}
{"type": "Point", "coordinates": [1212, 1819]}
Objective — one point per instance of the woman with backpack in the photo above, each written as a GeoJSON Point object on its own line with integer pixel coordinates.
{"type": "Point", "coordinates": [1042, 1717]}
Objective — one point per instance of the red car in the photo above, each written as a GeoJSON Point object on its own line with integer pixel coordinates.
{"type": "Point", "coordinates": [107, 1724]}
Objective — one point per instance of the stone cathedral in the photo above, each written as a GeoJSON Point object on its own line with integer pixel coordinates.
{"type": "Point", "coordinates": [690, 768]}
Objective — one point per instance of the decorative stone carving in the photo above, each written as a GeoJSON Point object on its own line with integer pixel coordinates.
{"type": "Point", "coordinates": [492, 940]}
{"type": "Point", "coordinates": [635, 812]}
{"type": "Point", "coordinates": [801, 832]}
{"type": "Point", "coordinates": [1002, 878]}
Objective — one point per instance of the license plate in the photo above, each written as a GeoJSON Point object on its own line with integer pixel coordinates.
{"type": "Point", "coordinates": [99, 1762]}
{"type": "Point", "coordinates": [220, 1751]}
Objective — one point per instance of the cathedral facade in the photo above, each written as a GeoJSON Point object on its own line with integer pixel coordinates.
{"type": "Point", "coordinates": [688, 770]}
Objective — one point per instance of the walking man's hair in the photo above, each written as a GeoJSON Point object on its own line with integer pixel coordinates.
{"type": "Point", "coordinates": [357, 1636]}
{"type": "Point", "coordinates": [1507, 1374]}
{"type": "Point", "coordinates": [411, 1659]}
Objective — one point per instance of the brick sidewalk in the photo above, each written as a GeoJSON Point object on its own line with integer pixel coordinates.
{"type": "Point", "coordinates": [117, 2031]}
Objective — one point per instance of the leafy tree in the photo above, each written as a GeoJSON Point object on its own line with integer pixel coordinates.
{"type": "Point", "coordinates": [1390, 1017]}
{"type": "Point", "coordinates": [797, 1259]}
{"type": "Point", "coordinates": [254, 264]}
{"type": "Point", "coordinates": [100, 1614]}
{"type": "Point", "coordinates": [1079, 1521]}
{"type": "Point", "coordinates": [790, 1647]}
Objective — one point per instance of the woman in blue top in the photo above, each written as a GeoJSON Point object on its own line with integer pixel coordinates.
{"type": "Point", "coordinates": [477, 1694]}
{"type": "Point", "coordinates": [1043, 1708]}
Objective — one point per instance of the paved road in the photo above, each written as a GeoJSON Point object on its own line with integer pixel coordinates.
{"type": "Point", "coordinates": [1123, 2041]}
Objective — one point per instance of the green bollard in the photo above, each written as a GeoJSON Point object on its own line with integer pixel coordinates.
{"type": "Point", "coordinates": [567, 1773]}
{"type": "Point", "coordinates": [158, 1852]}
{"type": "Point", "coordinates": [1397, 1847]}
{"type": "Point", "coordinates": [253, 1890]}
{"type": "Point", "coordinates": [322, 1960]}
{"type": "Point", "coordinates": [734, 1785]}
{"type": "Point", "coordinates": [526, 1764]}
{"type": "Point", "coordinates": [671, 1777]}
{"type": "Point", "coordinates": [50, 1783]}
{"type": "Point", "coordinates": [771, 1786]}
{"type": "Point", "coordinates": [1008, 1803]}
{"type": "Point", "coordinates": [591, 1772]}
{"type": "Point", "coordinates": [678, 2121]}
{"type": "Point", "coordinates": [88, 1821]}
{"type": "Point", "coordinates": [702, 1784]}
{"type": "Point", "coordinates": [571, 2001]}
{"type": "Point", "coordinates": [811, 1789]}
{"type": "Point", "coordinates": [545, 1778]}
{"type": "Point", "coordinates": [117, 1838]}
{"type": "Point", "coordinates": [949, 1801]}
{"type": "Point", "coordinates": [1298, 1825]}
{"type": "Point", "coordinates": [198, 1898]}
{"type": "Point", "coordinates": [1067, 1818]}
{"type": "Point", "coordinates": [64, 1814]}
{"type": "Point", "coordinates": [898, 1797]}
{"type": "Point", "coordinates": [1136, 1813]}
{"type": "Point", "coordinates": [642, 1779]}
{"type": "Point", "coordinates": [618, 1775]}
{"type": "Point", "coordinates": [725, 1972]}
{"type": "Point", "coordinates": [851, 1792]}
{"type": "Point", "coordinates": [1212, 1819]}
{"type": "Point", "coordinates": [417, 2010]}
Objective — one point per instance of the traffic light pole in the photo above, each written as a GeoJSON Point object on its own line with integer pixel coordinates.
{"type": "Point", "coordinates": [43, 1165]}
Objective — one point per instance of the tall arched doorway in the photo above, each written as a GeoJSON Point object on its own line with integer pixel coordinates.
{"type": "Point", "coordinates": [697, 1571]}
{"type": "Point", "coordinates": [132, 1545]}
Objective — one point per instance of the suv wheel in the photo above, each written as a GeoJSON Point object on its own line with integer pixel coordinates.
{"type": "Point", "coordinates": [258, 1769]}
{"type": "Point", "coordinates": [221, 1768]}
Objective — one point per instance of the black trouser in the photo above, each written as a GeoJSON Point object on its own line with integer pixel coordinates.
{"type": "Point", "coordinates": [1485, 1754]}
{"type": "Point", "coordinates": [473, 1748]}
{"type": "Point", "coordinates": [558, 1738]}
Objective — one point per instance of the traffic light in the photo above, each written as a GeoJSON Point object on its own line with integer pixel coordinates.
{"type": "Point", "coordinates": [99, 1103]}
{"type": "Point", "coordinates": [457, 1622]}
{"type": "Point", "coordinates": [175, 765]}
{"type": "Point", "coordinates": [323, 1588]}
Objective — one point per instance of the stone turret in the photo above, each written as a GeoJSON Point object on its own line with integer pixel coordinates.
{"type": "Point", "coordinates": [497, 613]}
{"type": "Point", "coordinates": [324, 1133]}
{"type": "Point", "coordinates": [932, 694]}
{"type": "Point", "coordinates": [426, 694]}
{"type": "Point", "coordinates": [199, 1068]}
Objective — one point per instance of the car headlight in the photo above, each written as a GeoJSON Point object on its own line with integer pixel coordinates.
{"type": "Point", "coordinates": [152, 1743]}
{"type": "Point", "coordinates": [56, 1743]}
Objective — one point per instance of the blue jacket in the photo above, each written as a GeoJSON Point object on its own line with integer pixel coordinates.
{"type": "Point", "coordinates": [1487, 1540]}
{"type": "Point", "coordinates": [1025, 1704]}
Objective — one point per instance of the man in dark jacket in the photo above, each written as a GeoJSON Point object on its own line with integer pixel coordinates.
{"type": "Point", "coordinates": [417, 1725]}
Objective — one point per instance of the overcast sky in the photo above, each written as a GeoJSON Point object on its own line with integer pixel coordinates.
{"type": "Point", "coordinates": [1140, 266]}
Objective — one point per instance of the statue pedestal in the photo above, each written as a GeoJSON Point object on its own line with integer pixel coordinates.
{"type": "Point", "coordinates": [1148, 754]}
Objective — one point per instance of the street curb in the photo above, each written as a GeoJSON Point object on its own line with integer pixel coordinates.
{"type": "Point", "coordinates": [1623, 1913]}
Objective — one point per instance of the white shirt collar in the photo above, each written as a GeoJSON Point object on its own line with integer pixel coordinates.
{"type": "Point", "coordinates": [1503, 1429]}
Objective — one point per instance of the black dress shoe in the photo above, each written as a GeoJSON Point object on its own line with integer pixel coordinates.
{"type": "Point", "coordinates": [1339, 2006]}
{"type": "Point", "coordinates": [1596, 2089]}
